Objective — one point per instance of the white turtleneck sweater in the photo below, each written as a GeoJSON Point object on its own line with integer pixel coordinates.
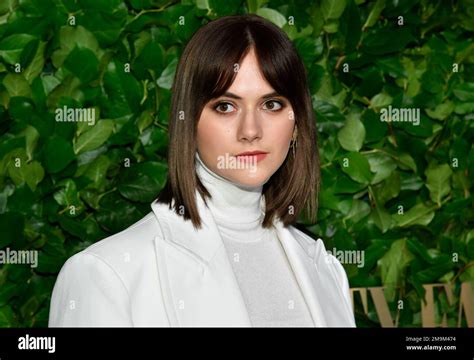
{"type": "Point", "coordinates": [267, 283]}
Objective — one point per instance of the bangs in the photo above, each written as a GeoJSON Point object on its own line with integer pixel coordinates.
{"type": "Point", "coordinates": [226, 48]}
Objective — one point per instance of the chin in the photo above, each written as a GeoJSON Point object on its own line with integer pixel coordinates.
{"type": "Point", "coordinates": [251, 179]}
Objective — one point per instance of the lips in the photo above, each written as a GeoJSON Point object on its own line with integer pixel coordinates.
{"type": "Point", "coordinates": [250, 153]}
{"type": "Point", "coordinates": [256, 155]}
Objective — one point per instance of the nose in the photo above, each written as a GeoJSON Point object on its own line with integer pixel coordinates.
{"type": "Point", "coordinates": [249, 128]}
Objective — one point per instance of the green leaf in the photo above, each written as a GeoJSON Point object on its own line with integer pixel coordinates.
{"type": "Point", "coordinates": [12, 46]}
{"type": "Point", "coordinates": [345, 185]}
{"type": "Point", "coordinates": [145, 120]}
{"type": "Point", "coordinates": [351, 26]}
{"type": "Point", "coordinates": [328, 199]}
{"type": "Point", "coordinates": [97, 171]}
{"type": "Point", "coordinates": [465, 91]}
{"type": "Point", "coordinates": [229, 7]}
{"type": "Point", "coordinates": [388, 189]}
{"type": "Point", "coordinates": [252, 5]}
{"type": "Point", "coordinates": [404, 160]}
{"type": "Point", "coordinates": [410, 182]}
{"type": "Point", "coordinates": [375, 129]}
{"type": "Point", "coordinates": [12, 226]}
{"type": "Point", "coordinates": [17, 85]}
{"type": "Point", "coordinates": [419, 249]}
{"type": "Point", "coordinates": [351, 136]}
{"type": "Point", "coordinates": [374, 252]}
{"type": "Point", "coordinates": [31, 173]}
{"type": "Point", "coordinates": [110, 5]}
{"type": "Point", "coordinates": [7, 6]}
{"type": "Point", "coordinates": [35, 68]}
{"type": "Point", "coordinates": [413, 74]}
{"type": "Point", "coordinates": [308, 48]}
{"type": "Point", "coordinates": [67, 194]}
{"type": "Point", "coordinates": [7, 316]}
{"type": "Point", "coordinates": [375, 12]}
{"type": "Point", "coordinates": [387, 40]}
{"type": "Point", "coordinates": [82, 63]}
{"type": "Point", "coordinates": [380, 100]}
{"type": "Point", "coordinates": [165, 80]}
{"type": "Point", "coordinates": [21, 108]}
{"type": "Point", "coordinates": [53, 254]}
{"type": "Point", "coordinates": [381, 218]}
{"type": "Point", "coordinates": [34, 174]}
{"type": "Point", "coordinates": [379, 214]}
{"type": "Point", "coordinates": [124, 92]}
{"type": "Point", "coordinates": [391, 66]}
{"type": "Point", "coordinates": [332, 9]}
{"type": "Point", "coordinates": [28, 53]}
{"type": "Point", "coordinates": [150, 58]}
{"type": "Point", "coordinates": [272, 15]}
{"type": "Point", "coordinates": [382, 165]}
{"type": "Point", "coordinates": [94, 137]}
{"type": "Point", "coordinates": [393, 266]}
{"type": "Point", "coordinates": [83, 229]}
{"type": "Point", "coordinates": [94, 21]}
{"type": "Point", "coordinates": [71, 37]}
{"type": "Point", "coordinates": [464, 108]}
{"type": "Point", "coordinates": [437, 182]}
{"type": "Point", "coordinates": [420, 214]}
{"type": "Point", "coordinates": [328, 113]}
{"type": "Point", "coordinates": [357, 167]}
{"type": "Point", "coordinates": [31, 138]}
{"type": "Point", "coordinates": [433, 80]}
{"type": "Point", "coordinates": [7, 291]}
{"type": "Point", "coordinates": [116, 213]}
{"type": "Point", "coordinates": [142, 182]}
{"type": "Point", "coordinates": [58, 153]}
{"type": "Point", "coordinates": [434, 273]}
{"type": "Point", "coordinates": [359, 210]}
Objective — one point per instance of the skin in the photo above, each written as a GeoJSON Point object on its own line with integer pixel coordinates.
{"type": "Point", "coordinates": [231, 126]}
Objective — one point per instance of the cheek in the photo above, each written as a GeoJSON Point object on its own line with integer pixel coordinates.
{"type": "Point", "coordinates": [281, 133]}
{"type": "Point", "coordinates": [210, 135]}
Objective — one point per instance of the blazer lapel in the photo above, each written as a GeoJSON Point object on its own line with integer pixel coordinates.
{"type": "Point", "coordinates": [197, 279]}
{"type": "Point", "coordinates": [198, 283]}
{"type": "Point", "coordinates": [305, 272]}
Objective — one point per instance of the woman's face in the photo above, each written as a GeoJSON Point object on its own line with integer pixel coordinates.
{"type": "Point", "coordinates": [248, 117]}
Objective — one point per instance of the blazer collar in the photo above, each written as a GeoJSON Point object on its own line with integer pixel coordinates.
{"type": "Point", "coordinates": [197, 279]}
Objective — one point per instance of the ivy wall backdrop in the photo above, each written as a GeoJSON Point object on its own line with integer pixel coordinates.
{"type": "Point", "coordinates": [392, 84]}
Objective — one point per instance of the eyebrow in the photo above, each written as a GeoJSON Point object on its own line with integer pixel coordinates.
{"type": "Point", "coordinates": [266, 96]}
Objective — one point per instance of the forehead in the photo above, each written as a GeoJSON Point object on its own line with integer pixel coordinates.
{"type": "Point", "coordinates": [250, 80]}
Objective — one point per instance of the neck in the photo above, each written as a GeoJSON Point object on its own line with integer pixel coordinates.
{"type": "Point", "coordinates": [232, 205]}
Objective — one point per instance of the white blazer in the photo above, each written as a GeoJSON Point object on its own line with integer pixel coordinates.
{"type": "Point", "coordinates": [161, 272]}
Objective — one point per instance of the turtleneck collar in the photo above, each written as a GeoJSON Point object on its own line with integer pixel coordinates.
{"type": "Point", "coordinates": [235, 207]}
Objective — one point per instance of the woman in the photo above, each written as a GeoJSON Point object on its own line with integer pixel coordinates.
{"type": "Point", "coordinates": [218, 247]}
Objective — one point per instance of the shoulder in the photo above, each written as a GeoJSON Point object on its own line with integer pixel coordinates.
{"type": "Point", "coordinates": [121, 254]}
{"type": "Point", "coordinates": [137, 237]}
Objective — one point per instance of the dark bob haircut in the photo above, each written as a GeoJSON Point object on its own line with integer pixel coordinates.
{"type": "Point", "coordinates": [205, 71]}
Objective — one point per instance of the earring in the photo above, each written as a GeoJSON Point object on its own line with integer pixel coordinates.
{"type": "Point", "coordinates": [294, 142]}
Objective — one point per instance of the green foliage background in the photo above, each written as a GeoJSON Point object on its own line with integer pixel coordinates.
{"type": "Point", "coordinates": [47, 63]}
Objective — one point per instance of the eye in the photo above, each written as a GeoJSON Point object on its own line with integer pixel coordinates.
{"type": "Point", "coordinates": [274, 105]}
{"type": "Point", "coordinates": [224, 107]}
